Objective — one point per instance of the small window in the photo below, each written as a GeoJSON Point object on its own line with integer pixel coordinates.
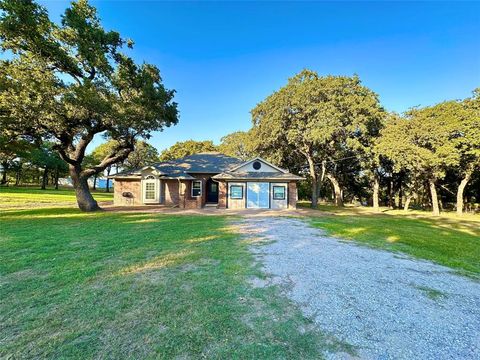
{"type": "Point", "coordinates": [196, 188]}
{"type": "Point", "coordinates": [150, 177]}
{"type": "Point", "coordinates": [257, 165]}
{"type": "Point", "coordinates": [236, 192]}
{"type": "Point", "coordinates": [279, 192]}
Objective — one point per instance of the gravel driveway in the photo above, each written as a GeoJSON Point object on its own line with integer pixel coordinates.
{"type": "Point", "coordinates": [388, 306]}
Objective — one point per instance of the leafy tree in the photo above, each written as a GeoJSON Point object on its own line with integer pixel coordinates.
{"type": "Point", "coordinates": [144, 154]}
{"type": "Point", "coordinates": [185, 148]}
{"type": "Point", "coordinates": [238, 144]}
{"type": "Point", "coordinates": [11, 148]}
{"type": "Point", "coordinates": [312, 117]}
{"type": "Point", "coordinates": [466, 139]}
{"type": "Point", "coordinates": [44, 157]}
{"type": "Point", "coordinates": [422, 144]}
{"type": "Point", "coordinates": [68, 82]}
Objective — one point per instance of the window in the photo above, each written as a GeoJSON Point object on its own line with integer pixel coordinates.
{"type": "Point", "coordinates": [236, 192]}
{"type": "Point", "coordinates": [257, 165]}
{"type": "Point", "coordinates": [150, 177]}
{"type": "Point", "coordinates": [279, 192]}
{"type": "Point", "coordinates": [150, 191]}
{"type": "Point", "coordinates": [196, 188]}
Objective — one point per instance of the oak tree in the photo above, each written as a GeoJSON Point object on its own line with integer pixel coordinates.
{"type": "Point", "coordinates": [67, 82]}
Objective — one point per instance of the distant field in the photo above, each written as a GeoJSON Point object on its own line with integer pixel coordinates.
{"type": "Point", "coordinates": [448, 239]}
{"type": "Point", "coordinates": [27, 197]}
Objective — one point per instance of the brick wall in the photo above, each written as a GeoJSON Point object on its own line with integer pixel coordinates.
{"type": "Point", "coordinates": [292, 195]}
{"type": "Point", "coordinates": [222, 194]}
{"type": "Point", "coordinates": [171, 195]}
{"type": "Point", "coordinates": [131, 186]}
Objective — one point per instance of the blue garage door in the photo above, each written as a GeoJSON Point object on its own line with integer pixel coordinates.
{"type": "Point", "coordinates": [258, 195]}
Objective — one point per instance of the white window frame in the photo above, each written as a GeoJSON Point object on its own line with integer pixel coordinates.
{"type": "Point", "coordinates": [201, 188]}
{"type": "Point", "coordinates": [150, 179]}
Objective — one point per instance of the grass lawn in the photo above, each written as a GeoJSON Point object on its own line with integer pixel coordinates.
{"type": "Point", "coordinates": [21, 197]}
{"type": "Point", "coordinates": [447, 240]}
{"type": "Point", "coordinates": [130, 285]}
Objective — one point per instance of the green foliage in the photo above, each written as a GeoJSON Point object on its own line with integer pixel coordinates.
{"type": "Point", "coordinates": [68, 82]}
{"type": "Point", "coordinates": [317, 120]}
{"type": "Point", "coordinates": [186, 148]}
{"type": "Point", "coordinates": [430, 140]}
{"type": "Point", "coordinates": [238, 144]}
{"type": "Point", "coordinates": [144, 154]}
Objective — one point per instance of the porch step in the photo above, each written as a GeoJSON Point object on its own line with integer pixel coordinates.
{"type": "Point", "coordinates": [210, 205]}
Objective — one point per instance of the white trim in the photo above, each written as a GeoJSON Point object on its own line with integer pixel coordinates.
{"type": "Point", "coordinates": [156, 183]}
{"type": "Point", "coordinates": [259, 159]}
{"type": "Point", "coordinates": [201, 188]}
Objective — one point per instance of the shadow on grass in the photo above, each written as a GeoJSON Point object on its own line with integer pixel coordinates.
{"type": "Point", "coordinates": [129, 285]}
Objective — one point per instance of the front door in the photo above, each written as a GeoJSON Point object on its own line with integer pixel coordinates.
{"type": "Point", "coordinates": [212, 191]}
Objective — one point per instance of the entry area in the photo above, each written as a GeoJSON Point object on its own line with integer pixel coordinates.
{"type": "Point", "coordinates": [212, 191]}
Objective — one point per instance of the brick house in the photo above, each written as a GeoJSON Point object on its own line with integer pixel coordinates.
{"type": "Point", "coordinates": [208, 180]}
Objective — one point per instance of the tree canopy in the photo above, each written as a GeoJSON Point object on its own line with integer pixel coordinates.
{"type": "Point", "coordinates": [67, 82]}
{"type": "Point", "coordinates": [320, 119]}
{"type": "Point", "coordinates": [185, 148]}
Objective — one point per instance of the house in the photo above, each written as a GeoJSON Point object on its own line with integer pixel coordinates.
{"type": "Point", "coordinates": [208, 179]}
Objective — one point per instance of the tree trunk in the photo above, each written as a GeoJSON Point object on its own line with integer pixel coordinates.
{"type": "Point", "coordinates": [56, 178]}
{"type": "Point", "coordinates": [4, 174]}
{"type": "Point", "coordinates": [109, 168]}
{"type": "Point", "coordinates": [44, 178]}
{"type": "Point", "coordinates": [313, 175]}
{"type": "Point", "coordinates": [376, 187]}
{"type": "Point", "coordinates": [407, 202]}
{"type": "Point", "coordinates": [433, 193]}
{"type": "Point", "coordinates": [391, 199]}
{"type": "Point", "coordinates": [460, 190]}
{"type": "Point", "coordinates": [336, 189]}
{"type": "Point", "coordinates": [95, 182]}
{"type": "Point", "coordinates": [85, 200]}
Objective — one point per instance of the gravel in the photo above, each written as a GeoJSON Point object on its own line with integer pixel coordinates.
{"type": "Point", "coordinates": [386, 305]}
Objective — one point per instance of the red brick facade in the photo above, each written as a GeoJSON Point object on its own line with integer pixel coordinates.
{"type": "Point", "coordinates": [130, 188]}
{"type": "Point", "coordinates": [292, 195]}
{"type": "Point", "coordinates": [178, 193]}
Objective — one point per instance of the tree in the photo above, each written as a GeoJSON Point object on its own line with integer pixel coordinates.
{"type": "Point", "coordinates": [143, 155]}
{"type": "Point", "coordinates": [238, 144]}
{"type": "Point", "coordinates": [68, 82]}
{"type": "Point", "coordinates": [422, 144]}
{"type": "Point", "coordinates": [312, 117]}
{"type": "Point", "coordinates": [44, 157]}
{"type": "Point", "coordinates": [185, 148]}
{"type": "Point", "coordinates": [466, 140]}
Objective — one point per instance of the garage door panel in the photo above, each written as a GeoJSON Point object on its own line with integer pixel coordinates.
{"type": "Point", "coordinates": [258, 195]}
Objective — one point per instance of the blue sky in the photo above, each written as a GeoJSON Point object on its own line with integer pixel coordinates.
{"type": "Point", "coordinates": [225, 57]}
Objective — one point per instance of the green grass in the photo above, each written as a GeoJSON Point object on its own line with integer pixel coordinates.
{"type": "Point", "coordinates": [448, 240]}
{"type": "Point", "coordinates": [21, 197]}
{"type": "Point", "coordinates": [130, 285]}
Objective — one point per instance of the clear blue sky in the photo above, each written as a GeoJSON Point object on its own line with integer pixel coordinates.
{"type": "Point", "coordinates": [225, 57]}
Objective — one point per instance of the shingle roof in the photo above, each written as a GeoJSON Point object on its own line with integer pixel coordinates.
{"type": "Point", "coordinates": [208, 162]}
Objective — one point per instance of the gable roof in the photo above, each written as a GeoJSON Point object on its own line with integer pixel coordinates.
{"type": "Point", "coordinates": [258, 158]}
{"type": "Point", "coordinates": [206, 162]}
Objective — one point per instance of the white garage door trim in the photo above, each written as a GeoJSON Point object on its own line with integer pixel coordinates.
{"type": "Point", "coordinates": [258, 195]}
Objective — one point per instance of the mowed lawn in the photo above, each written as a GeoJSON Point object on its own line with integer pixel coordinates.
{"type": "Point", "coordinates": [132, 285]}
{"type": "Point", "coordinates": [21, 197]}
{"type": "Point", "coordinates": [447, 240]}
